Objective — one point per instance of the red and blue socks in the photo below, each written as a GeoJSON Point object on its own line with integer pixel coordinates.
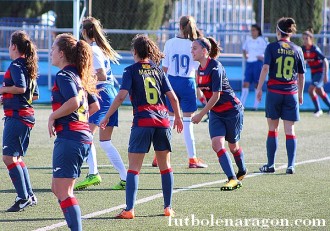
{"type": "Point", "coordinates": [316, 103]}
{"type": "Point", "coordinates": [26, 178]}
{"type": "Point", "coordinates": [17, 177]}
{"type": "Point", "coordinates": [271, 146]}
{"type": "Point", "coordinates": [167, 186]}
{"type": "Point", "coordinates": [72, 213]}
{"type": "Point", "coordinates": [239, 160]}
{"type": "Point", "coordinates": [325, 99]}
{"type": "Point", "coordinates": [291, 148]}
{"type": "Point", "coordinates": [132, 182]}
{"type": "Point", "coordinates": [225, 163]}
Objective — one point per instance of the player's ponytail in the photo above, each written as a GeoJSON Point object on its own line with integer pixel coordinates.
{"type": "Point", "coordinates": [286, 26]}
{"type": "Point", "coordinates": [79, 53]}
{"type": "Point", "coordinates": [27, 48]}
{"type": "Point", "coordinates": [146, 48]}
{"type": "Point", "coordinates": [95, 31]}
{"type": "Point", "coordinates": [189, 28]}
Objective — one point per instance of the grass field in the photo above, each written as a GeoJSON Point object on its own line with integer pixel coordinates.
{"type": "Point", "coordinates": [277, 201]}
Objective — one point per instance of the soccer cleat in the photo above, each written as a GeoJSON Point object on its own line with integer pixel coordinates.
{"type": "Point", "coordinates": [318, 113]}
{"type": "Point", "coordinates": [154, 162]}
{"type": "Point", "coordinates": [19, 204]}
{"type": "Point", "coordinates": [241, 175]}
{"type": "Point", "coordinates": [34, 200]}
{"type": "Point", "coordinates": [120, 186]}
{"type": "Point", "coordinates": [91, 179]}
{"type": "Point", "coordinates": [196, 163]}
{"type": "Point", "coordinates": [290, 170]}
{"type": "Point", "coordinates": [266, 169]}
{"type": "Point", "coordinates": [231, 185]}
{"type": "Point", "coordinates": [126, 214]}
{"type": "Point", "coordinates": [168, 212]}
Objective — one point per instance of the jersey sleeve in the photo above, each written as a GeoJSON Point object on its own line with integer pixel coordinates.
{"type": "Point", "coordinates": [17, 75]}
{"type": "Point", "coordinates": [127, 80]}
{"type": "Point", "coordinates": [36, 89]}
{"type": "Point", "coordinates": [98, 61]}
{"type": "Point", "coordinates": [301, 62]}
{"type": "Point", "coordinates": [244, 46]}
{"type": "Point", "coordinates": [267, 56]}
{"type": "Point", "coordinates": [91, 98]}
{"type": "Point", "coordinates": [319, 53]}
{"type": "Point", "coordinates": [166, 86]}
{"type": "Point", "coordinates": [67, 87]}
{"type": "Point", "coordinates": [216, 76]}
{"type": "Point", "coordinates": [166, 60]}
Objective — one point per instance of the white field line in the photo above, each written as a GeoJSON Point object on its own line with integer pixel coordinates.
{"type": "Point", "coordinates": [159, 195]}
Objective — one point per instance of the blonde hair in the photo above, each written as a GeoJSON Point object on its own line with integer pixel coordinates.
{"type": "Point", "coordinates": [95, 31]}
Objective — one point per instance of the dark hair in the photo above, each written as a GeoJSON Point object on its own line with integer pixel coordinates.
{"type": "Point", "coordinates": [146, 48]}
{"type": "Point", "coordinates": [189, 28]}
{"type": "Point", "coordinates": [257, 27]}
{"type": "Point", "coordinates": [78, 53]}
{"type": "Point", "coordinates": [25, 46]}
{"type": "Point", "coordinates": [286, 26]}
{"type": "Point", "coordinates": [211, 45]}
{"type": "Point", "coordinates": [94, 30]}
{"type": "Point", "coordinates": [308, 33]}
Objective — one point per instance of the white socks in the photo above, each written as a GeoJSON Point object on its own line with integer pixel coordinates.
{"type": "Point", "coordinates": [114, 158]}
{"type": "Point", "coordinates": [188, 132]}
{"type": "Point", "coordinates": [91, 160]}
{"type": "Point", "coordinates": [244, 94]}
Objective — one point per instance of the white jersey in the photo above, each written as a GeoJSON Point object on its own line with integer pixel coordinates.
{"type": "Point", "coordinates": [100, 60]}
{"type": "Point", "coordinates": [178, 58]}
{"type": "Point", "coordinates": [254, 47]}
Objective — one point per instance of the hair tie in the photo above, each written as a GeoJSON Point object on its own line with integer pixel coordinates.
{"type": "Point", "coordinates": [282, 30]}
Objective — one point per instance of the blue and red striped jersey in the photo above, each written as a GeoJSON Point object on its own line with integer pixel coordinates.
{"type": "Point", "coordinates": [19, 105]}
{"type": "Point", "coordinates": [213, 78]}
{"type": "Point", "coordinates": [314, 58]}
{"type": "Point", "coordinates": [147, 85]}
{"type": "Point", "coordinates": [285, 60]}
{"type": "Point", "coordinates": [75, 125]}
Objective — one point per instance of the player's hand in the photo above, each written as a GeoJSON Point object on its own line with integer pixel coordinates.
{"type": "Point", "coordinates": [51, 129]}
{"type": "Point", "coordinates": [259, 95]}
{"type": "Point", "coordinates": [196, 118]}
{"type": "Point", "coordinates": [178, 124]}
{"type": "Point", "coordinates": [104, 123]}
{"type": "Point", "coordinates": [301, 100]}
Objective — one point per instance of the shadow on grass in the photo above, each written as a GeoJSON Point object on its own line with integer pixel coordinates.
{"type": "Point", "coordinates": [41, 190]}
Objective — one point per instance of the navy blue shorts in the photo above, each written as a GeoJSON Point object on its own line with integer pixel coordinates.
{"type": "Point", "coordinates": [317, 80]}
{"type": "Point", "coordinates": [68, 156]}
{"type": "Point", "coordinates": [107, 94]}
{"type": "Point", "coordinates": [282, 106]}
{"type": "Point", "coordinates": [185, 90]}
{"type": "Point", "coordinates": [16, 136]}
{"type": "Point", "coordinates": [141, 138]}
{"type": "Point", "coordinates": [252, 71]}
{"type": "Point", "coordinates": [229, 127]}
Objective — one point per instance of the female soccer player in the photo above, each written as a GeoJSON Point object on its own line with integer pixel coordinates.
{"type": "Point", "coordinates": [71, 107]}
{"type": "Point", "coordinates": [103, 54]}
{"type": "Point", "coordinates": [253, 52]}
{"type": "Point", "coordinates": [147, 85]}
{"type": "Point", "coordinates": [319, 67]}
{"type": "Point", "coordinates": [18, 91]}
{"type": "Point", "coordinates": [181, 70]}
{"type": "Point", "coordinates": [226, 111]}
{"type": "Point", "coordinates": [284, 61]}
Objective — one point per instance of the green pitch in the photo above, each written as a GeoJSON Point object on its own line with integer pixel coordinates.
{"type": "Point", "coordinates": [276, 202]}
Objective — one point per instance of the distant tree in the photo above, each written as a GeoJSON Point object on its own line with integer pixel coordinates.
{"type": "Point", "coordinates": [307, 13]}
{"type": "Point", "coordinates": [23, 9]}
